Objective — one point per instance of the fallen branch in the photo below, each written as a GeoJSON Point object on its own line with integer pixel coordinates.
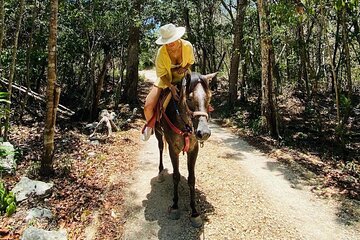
{"type": "Point", "coordinates": [106, 118]}
{"type": "Point", "coordinates": [62, 109]}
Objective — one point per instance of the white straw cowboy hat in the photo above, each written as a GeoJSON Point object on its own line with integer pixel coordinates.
{"type": "Point", "coordinates": [169, 33]}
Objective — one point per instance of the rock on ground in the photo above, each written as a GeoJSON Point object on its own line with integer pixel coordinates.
{"type": "Point", "coordinates": [7, 159]}
{"type": "Point", "coordinates": [27, 186]}
{"type": "Point", "coordinates": [33, 233]}
{"type": "Point", "coordinates": [38, 212]}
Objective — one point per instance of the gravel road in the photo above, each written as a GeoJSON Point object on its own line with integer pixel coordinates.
{"type": "Point", "coordinates": [241, 193]}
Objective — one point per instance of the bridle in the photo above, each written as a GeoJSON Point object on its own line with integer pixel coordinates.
{"type": "Point", "coordinates": [200, 113]}
{"type": "Point", "coordinates": [186, 89]}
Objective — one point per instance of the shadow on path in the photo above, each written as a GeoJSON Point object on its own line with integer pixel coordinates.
{"type": "Point", "coordinates": [160, 198]}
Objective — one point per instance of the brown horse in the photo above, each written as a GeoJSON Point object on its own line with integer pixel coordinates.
{"type": "Point", "coordinates": [184, 124]}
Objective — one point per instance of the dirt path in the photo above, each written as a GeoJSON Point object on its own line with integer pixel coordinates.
{"type": "Point", "coordinates": [242, 195]}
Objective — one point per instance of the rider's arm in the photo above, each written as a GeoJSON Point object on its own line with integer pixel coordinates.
{"type": "Point", "coordinates": [172, 88]}
{"type": "Point", "coordinates": [166, 80]}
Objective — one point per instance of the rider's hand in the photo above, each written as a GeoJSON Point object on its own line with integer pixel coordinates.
{"type": "Point", "coordinates": [174, 93]}
{"type": "Point", "coordinates": [181, 70]}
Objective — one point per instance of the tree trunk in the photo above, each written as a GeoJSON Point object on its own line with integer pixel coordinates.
{"type": "Point", "coordinates": [212, 45]}
{"type": "Point", "coordinates": [28, 65]}
{"type": "Point", "coordinates": [191, 35]}
{"type": "Point", "coordinates": [2, 24]}
{"type": "Point", "coordinates": [268, 110]}
{"type": "Point", "coordinates": [84, 69]}
{"type": "Point", "coordinates": [91, 88]}
{"type": "Point", "coordinates": [347, 58]}
{"type": "Point", "coordinates": [303, 72]}
{"type": "Point", "coordinates": [132, 68]}
{"type": "Point", "coordinates": [100, 84]}
{"type": "Point", "coordinates": [203, 60]}
{"type": "Point", "coordinates": [52, 95]}
{"type": "Point", "coordinates": [41, 76]}
{"type": "Point", "coordinates": [319, 59]}
{"type": "Point", "coordinates": [347, 52]}
{"type": "Point", "coordinates": [13, 64]}
{"type": "Point", "coordinates": [336, 46]}
{"type": "Point", "coordinates": [356, 29]}
{"type": "Point", "coordinates": [330, 63]}
{"type": "Point", "coordinates": [319, 66]}
{"type": "Point", "coordinates": [2, 30]}
{"type": "Point", "coordinates": [120, 83]}
{"type": "Point", "coordinates": [244, 63]}
{"type": "Point", "coordinates": [288, 72]}
{"type": "Point", "coordinates": [235, 58]}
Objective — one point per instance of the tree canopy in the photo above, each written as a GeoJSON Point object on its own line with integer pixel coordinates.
{"type": "Point", "coordinates": [313, 53]}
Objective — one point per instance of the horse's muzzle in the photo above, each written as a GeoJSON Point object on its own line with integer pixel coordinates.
{"type": "Point", "coordinates": [203, 131]}
{"type": "Point", "coordinates": [200, 135]}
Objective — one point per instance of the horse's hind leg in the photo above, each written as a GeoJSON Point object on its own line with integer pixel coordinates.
{"type": "Point", "coordinates": [159, 137]}
{"type": "Point", "coordinates": [196, 220]}
{"type": "Point", "coordinates": [174, 209]}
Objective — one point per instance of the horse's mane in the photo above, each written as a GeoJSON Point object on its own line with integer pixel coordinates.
{"type": "Point", "coordinates": [193, 79]}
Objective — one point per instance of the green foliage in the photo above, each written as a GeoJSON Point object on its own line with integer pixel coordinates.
{"type": "Point", "coordinates": [340, 4]}
{"type": "Point", "coordinates": [345, 102]}
{"type": "Point", "coordinates": [4, 151]}
{"type": "Point", "coordinates": [345, 107]}
{"type": "Point", "coordinates": [256, 125]}
{"type": "Point", "coordinates": [89, 29]}
{"type": "Point", "coordinates": [146, 60]}
{"type": "Point", "coordinates": [340, 133]}
{"type": "Point", "coordinates": [3, 107]}
{"type": "Point", "coordinates": [3, 100]}
{"type": "Point", "coordinates": [7, 201]}
{"type": "Point", "coordinates": [283, 14]}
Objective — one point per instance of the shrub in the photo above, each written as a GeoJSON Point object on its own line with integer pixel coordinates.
{"type": "Point", "coordinates": [7, 201]}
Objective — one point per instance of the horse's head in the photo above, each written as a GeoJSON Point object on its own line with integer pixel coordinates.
{"type": "Point", "coordinates": [195, 95]}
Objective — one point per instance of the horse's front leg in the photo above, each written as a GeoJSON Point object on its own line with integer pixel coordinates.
{"type": "Point", "coordinates": [160, 139]}
{"type": "Point", "coordinates": [196, 220]}
{"type": "Point", "coordinates": [174, 209]}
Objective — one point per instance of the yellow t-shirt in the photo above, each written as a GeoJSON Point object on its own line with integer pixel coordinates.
{"type": "Point", "coordinates": [163, 63]}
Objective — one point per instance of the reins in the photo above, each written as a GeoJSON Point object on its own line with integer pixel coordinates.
{"type": "Point", "coordinates": [186, 133]}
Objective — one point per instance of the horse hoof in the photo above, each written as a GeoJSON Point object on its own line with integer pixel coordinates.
{"type": "Point", "coordinates": [174, 214]}
{"type": "Point", "coordinates": [160, 178]}
{"type": "Point", "coordinates": [196, 221]}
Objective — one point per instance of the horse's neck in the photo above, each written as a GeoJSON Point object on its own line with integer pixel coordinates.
{"type": "Point", "coordinates": [177, 114]}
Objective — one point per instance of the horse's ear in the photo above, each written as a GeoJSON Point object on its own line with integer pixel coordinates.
{"type": "Point", "coordinates": [209, 76]}
{"type": "Point", "coordinates": [185, 87]}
